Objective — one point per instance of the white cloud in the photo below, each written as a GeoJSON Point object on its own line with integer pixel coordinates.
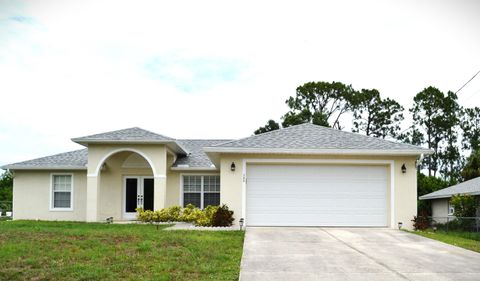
{"type": "Point", "coordinates": [211, 69]}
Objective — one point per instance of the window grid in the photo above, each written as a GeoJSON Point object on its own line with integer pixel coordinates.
{"type": "Point", "coordinates": [62, 192]}
{"type": "Point", "coordinates": [208, 187]}
{"type": "Point", "coordinates": [451, 209]}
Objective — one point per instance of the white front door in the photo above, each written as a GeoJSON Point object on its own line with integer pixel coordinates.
{"type": "Point", "coordinates": [138, 193]}
{"type": "Point", "coordinates": [316, 195]}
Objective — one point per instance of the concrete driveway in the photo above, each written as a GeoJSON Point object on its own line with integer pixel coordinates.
{"type": "Point", "coordinates": [278, 253]}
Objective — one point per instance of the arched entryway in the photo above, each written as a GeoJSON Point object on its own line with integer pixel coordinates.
{"type": "Point", "coordinates": [109, 168]}
{"type": "Point", "coordinates": [126, 183]}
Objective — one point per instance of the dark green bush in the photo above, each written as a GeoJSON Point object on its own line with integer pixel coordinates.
{"type": "Point", "coordinates": [223, 216]}
{"type": "Point", "coordinates": [457, 224]}
{"type": "Point", "coordinates": [420, 222]}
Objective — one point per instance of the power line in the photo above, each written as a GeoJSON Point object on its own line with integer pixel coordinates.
{"type": "Point", "coordinates": [473, 77]}
{"type": "Point", "coordinates": [467, 82]}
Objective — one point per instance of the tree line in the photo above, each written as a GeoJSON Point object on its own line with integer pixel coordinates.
{"type": "Point", "coordinates": [439, 122]}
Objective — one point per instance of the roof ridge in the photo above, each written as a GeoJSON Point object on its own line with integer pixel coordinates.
{"type": "Point", "coordinates": [322, 128]}
{"type": "Point", "coordinates": [365, 136]}
{"type": "Point", "coordinates": [204, 139]}
{"type": "Point", "coordinates": [262, 134]}
{"type": "Point", "coordinates": [93, 136]}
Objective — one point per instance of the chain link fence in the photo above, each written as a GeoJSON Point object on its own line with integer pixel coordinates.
{"type": "Point", "coordinates": [451, 223]}
{"type": "Point", "coordinates": [6, 209]}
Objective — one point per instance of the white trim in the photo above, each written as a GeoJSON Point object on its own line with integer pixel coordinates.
{"type": "Point", "coordinates": [105, 157]}
{"type": "Point", "coordinates": [201, 190]}
{"type": "Point", "coordinates": [391, 163]}
{"type": "Point", "coordinates": [445, 196]}
{"type": "Point", "coordinates": [449, 205]}
{"type": "Point", "coordinates": [392, 194]}
{"type": "Point", "coordinates": [202, 205]}
{"type": "Point", "coordinates": [398, 152]}
{"type": "Point", "coordinates": [50, 207]}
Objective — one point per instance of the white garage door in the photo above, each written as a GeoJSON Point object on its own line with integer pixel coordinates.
{"type": "Point", "coordinates": [316, 195]}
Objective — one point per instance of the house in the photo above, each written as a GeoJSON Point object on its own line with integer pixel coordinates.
{"type": "Point", "coordinates": [304, 175]}
{"type": "Point", "coordinates": [441, 207]}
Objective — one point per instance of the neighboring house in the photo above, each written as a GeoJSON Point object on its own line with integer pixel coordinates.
{"type": "Point", "coordinates": [441, 207]}
{"type": "Point", "coordinates": [304, 175]}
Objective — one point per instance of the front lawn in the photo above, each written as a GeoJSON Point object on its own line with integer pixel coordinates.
{"type": "Point", "coordinates": [467, 240]}
{"type": "Point", "coordinates": [32, 250]}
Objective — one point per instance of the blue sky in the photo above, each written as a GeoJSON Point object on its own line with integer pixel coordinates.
{"type": "Point", "coordinates": [213, 69]}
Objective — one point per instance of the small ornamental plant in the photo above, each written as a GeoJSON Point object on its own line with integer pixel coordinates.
{"type": "Point", "coordinates": [210, 216]}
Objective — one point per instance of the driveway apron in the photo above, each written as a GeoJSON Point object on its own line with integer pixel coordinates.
{"type": "Point", "coordinates": [295, 253]}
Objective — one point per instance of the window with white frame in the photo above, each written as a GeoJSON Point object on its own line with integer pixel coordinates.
{"type": "Point", "coordinates": [451, 209]}
{"type": "Point", "coordinates": [201, 191]}
{"type": "Point", "coordinates": [62, 191]}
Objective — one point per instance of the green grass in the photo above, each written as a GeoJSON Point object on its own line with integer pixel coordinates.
{"type": "Point", "coordinates": [87, 251]}
{"type": "Point", "coordinates": [467, 240]}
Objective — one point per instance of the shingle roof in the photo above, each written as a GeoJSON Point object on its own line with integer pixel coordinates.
{"type": "Point", "coordinates": [130, 134]}
{"type": "Point", "coordinates": [76, 159]}
{"type": "Point", "coordinates": [196, 157]}
{"type": "Point", "coordinates": [313, 137]}
{"type": "Point", "coordinates": [471, 187]}
{"type": "Point", "coordinates": [305, 137]}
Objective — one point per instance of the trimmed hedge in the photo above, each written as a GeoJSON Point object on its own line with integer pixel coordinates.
{"type": "Point", "coordinates": [210, 216]}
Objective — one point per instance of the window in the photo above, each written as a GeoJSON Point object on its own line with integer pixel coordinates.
{"type": "Point", "coordinates": [451, 209]}
{"type": "Point", "coordinates": [62, 190]}
{"type": "Point", "coordinates": [201, 191]}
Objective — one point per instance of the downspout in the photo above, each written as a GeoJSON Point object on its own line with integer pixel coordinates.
{"type": "Point", "coordinates": [418, 162]}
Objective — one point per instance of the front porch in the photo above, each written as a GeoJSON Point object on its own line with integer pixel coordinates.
{"type": "Point", "coordinates": [121, 179]}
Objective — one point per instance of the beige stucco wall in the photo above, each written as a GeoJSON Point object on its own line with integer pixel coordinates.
{"type": "Point", "coordinates": [112, 185]}
{"type": "Point", "coordinates": [32, 191]}
{"type": "Point", "coordinates": [405, 185]}
{"type": "Point", "coordinates": [32, 188]}
{"type": "Point", "coordinates": [154, 154]}
{"type": "Point", "coordinates": [31, 196]}
{"type": "Point", "coordinates": [440, 210]}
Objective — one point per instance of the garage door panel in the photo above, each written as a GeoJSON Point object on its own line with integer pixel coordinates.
{"type": "Point", "coordinates": [323, 205]}
{"type": "Point", "coordinates": [319, 171]}
{"type": "Point", "coordinates": [316, 195]}
{"type": "Point", "coordinates": [311, 220]}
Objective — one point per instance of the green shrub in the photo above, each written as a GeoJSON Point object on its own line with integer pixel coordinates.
{"type": "Point", "coordinates": [456, 224]}
{"type": "Point", "coordinates": [206, 219]}
{"type": "Point", "coordinates": [464, 204]}
{"type": "Point", "coordinates": [145, 215]}
{"type": "Point", "coordinates": [190, 213]}
{"type": "Point", "coordinates": [173, 213]}
{"type": "Point", "coordinates": [210, 216]}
